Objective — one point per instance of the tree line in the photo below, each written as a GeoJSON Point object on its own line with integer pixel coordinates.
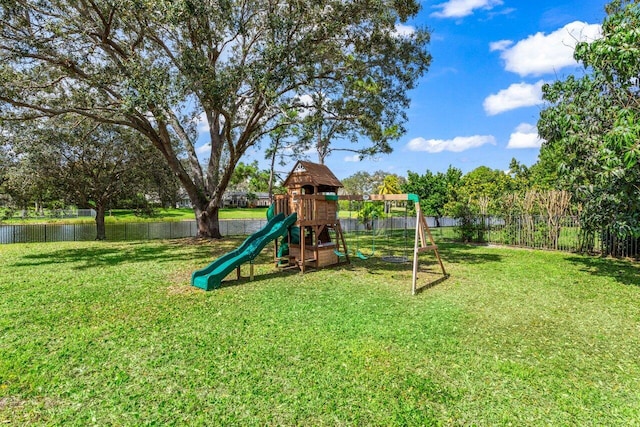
{"type": "Point", "coordinates": [143, 80]}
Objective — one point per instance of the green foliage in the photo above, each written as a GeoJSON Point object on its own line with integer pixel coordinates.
{"type": "Point", "coordinates": [364, 183]}
{"type": "Point", "coordinates": [468, 228]}
{"type": "Point", "coordinates": [391, 185]}
{"type": "Point", "coordinates": [249, 177]}
{"type": "Point", "coordinates": [545, 173]}
{"type": "Point", "coordinates": [482, 188]}
{"type": "Point", "coordinates": [359, 183]}
{"type": "Point", "coordinates": [434, 190]}
{"type": "Point", "coordinates": [522, 176]}
{"type": "Point", "coordinates": [83, 164]}
{"type": "Point", "coordinates": [140, 206]}
{"type": "Point", "coordinates": [592, 127]}
{"type": "Point", "coordinates": [369, 212]}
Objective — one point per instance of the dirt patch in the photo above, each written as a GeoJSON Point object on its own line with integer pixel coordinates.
{"type": "Point", "coordinates": [11, 402]}
{"type": "Point", "coordinates": [182, 289]}
{"type": "Point", "coordinates": [180, 283]}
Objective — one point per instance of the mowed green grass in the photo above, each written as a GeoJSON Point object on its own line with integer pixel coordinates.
{"type": "Point", "coordinates": [113, 334]}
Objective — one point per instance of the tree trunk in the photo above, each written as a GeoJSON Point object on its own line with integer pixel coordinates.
{"type": "Point", "coordinates": [272, 174]}
{"type": "Point", "coordinates": [207, 221]}
{"type": "Point", "coordinates": [101, 233]}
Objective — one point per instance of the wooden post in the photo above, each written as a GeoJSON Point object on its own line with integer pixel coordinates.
{"type": "Point", "coordinates": [302, 247]}
{"type": "Point", "coordinates": [415, 250]}
{"type": "Point", "coordinates": [344, 244]}
{"type": "Point", "coordinates": [435, 248]}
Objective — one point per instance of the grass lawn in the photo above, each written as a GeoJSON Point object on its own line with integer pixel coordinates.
{"type": "Point", "coordinates": [97, 333]}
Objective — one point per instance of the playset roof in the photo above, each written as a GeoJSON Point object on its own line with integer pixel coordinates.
{"type": "Point", "coordinates": [304, 173]}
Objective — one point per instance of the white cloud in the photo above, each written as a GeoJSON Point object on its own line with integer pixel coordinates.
{"type": "Point", "coordinates": [306, 100]}
{"type": "Point", "coordinates": [461, 8]}
{"type": "Point", "coordinates": [500, 45]}
{"type": "Point", "coordinates": [515, 96]}
{"type": "Point", "coordinates": [541, 54]}
{"type": "Point", "coordinates": [525, 136]}
{"type": "Point", "coordinates": [203, 149]}
{"type": "Point", "coordinates": [305, 105]}
{"type": "Point", "coordinates": [404, 30]}
{"type": "Point", "coordinates": [201, 123]}
{"type": "Point", "coordinates": [457, 144]}
{"type": "Point", "coordinates": [354, 158]}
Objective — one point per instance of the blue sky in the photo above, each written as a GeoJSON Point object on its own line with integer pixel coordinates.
{"type": "Point", "coordinates": [479, 102]}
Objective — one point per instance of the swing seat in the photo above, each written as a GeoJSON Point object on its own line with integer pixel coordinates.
{"type": "Point", "coordinates": [395, 259]}
{"type": "Point", "coordinates": [340, 254]}
{"type": "Point", "coordinates": [361, 255]}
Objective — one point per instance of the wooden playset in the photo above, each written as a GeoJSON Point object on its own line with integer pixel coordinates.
{"type": "Point", "coordinates": [306, 219]}
{"type": "Point", "coordinates": [312, 193]}
{"type": "Point", "coordinates": [317, 239]}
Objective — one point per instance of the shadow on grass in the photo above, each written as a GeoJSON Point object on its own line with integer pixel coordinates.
{"type": "Point", "coordinates": [429, 273]}
{"type": "Point", "coordinates": [259, 277]}
{"type": "Point", "coordinates": [458, 253]}
{"type": "Point", "coordinates": [132, 252]}
{"type": "Point", "coordinates": [431, 284]}
{"type": "Point", "coordinates": [624, 272]}
{"type": "Point", "coordinates": [374, 266]}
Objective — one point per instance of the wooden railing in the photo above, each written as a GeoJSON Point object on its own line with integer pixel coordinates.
{"type": "Point", "coordinates": [311, 209]}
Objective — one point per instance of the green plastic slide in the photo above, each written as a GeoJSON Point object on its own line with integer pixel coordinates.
{"type": "Point", "coordinates": [212, 275]}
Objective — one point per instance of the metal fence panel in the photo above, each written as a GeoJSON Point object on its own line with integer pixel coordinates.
{"type": "Point", "coordinates": [33, 233]}
{"type": "Point", "coordinates": [178, 230]}
{"type": "Point", "coordinates": [59, 233]}
{"type": "Point", "coordinates": [136, 231]}
{"type": "Point", "coordinates": [233, 228]}
{"type": "Point", "coordinates": [158, 230]}
{"type": "Point", "coordinates": [84, 232]}
{"type": "Point", "coordinates": [115, 232]}
{"type": "Point", "coordinates": [6, 234]}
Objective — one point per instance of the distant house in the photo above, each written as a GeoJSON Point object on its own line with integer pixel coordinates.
{"type": "Point", "coordinates": [232, 199]}
{"type": "Point", "coordinates": [240, 199]}
{"type": "Point", "coordinates": [183, 200]}
{"type": "Point", "coordinates": [263, 200]}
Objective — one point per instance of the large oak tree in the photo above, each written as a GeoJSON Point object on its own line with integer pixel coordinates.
{"type": "Point", "coordinates": [162, 67]}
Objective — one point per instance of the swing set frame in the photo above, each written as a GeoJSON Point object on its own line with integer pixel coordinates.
{"type": "Point", "coordinates": [423, 240]}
